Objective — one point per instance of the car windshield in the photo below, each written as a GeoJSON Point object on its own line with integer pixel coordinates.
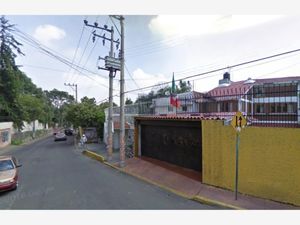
{"type": "Point", "coordinates": [6, 165]}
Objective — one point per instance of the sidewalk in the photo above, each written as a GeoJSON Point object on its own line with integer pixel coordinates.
{"type": "Point", "coordinates": [185, 184]}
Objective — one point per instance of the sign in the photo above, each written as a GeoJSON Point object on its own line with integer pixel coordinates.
{"type": "Point", "coordinates": [238, 121]}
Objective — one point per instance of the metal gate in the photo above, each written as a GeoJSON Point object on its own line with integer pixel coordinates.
{"type": "Point", "coordinates": [176, 142]}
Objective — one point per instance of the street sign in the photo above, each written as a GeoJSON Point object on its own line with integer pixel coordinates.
{"type": "Point", "coordinates": [238, 121]}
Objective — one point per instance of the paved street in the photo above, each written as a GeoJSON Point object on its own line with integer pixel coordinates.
{"type": "Point", "coordinates": [56, 176]}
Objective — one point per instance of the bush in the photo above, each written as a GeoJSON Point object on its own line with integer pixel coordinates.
{"type": "Point", "coordinates": [16, 142]}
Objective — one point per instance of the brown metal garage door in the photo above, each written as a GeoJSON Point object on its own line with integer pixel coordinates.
{"type": "Point", "coordinates": [176, 142]}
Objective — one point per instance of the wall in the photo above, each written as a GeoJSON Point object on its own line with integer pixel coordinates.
{"type": "Point", "coordinates": [5, 133]}
{"type": "Point", "coordinates": [268, 164]}
{"type": "Point", "coordinates": [38, 126]}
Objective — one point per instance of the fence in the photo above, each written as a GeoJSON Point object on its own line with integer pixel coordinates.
{"type": "Point", "coordinates": [263, 105]}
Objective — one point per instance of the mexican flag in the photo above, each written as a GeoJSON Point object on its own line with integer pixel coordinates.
{"type": "Point", "coordinates": [173, 97]}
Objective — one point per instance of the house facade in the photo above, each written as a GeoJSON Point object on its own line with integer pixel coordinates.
{"type": "Point", "coordinates": [187, 104]}
{"type": "Point", "coordinates": [262, 101]}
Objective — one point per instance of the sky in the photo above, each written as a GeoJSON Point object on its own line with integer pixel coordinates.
{"type": "Point", "coordinates": [156, 46]}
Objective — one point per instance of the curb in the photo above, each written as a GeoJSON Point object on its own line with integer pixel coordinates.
{"type": "Point", "coordinates": [93, 155]}
{"type": "Point", "coordinates": [214, 202]}
{"type": "Point", "coordinates": [197, 198]}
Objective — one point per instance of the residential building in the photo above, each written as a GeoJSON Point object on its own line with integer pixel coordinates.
{"type": "Point", "coordinates": [263, 101]}
{"type": "Point", "coordinates": [187, 104]}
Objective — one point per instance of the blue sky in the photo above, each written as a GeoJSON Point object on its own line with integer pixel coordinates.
{"type": "Point", "coordinates": [157, 46]}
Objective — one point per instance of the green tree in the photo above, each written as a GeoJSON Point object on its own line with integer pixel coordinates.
{"type": "Point", "coordinates": [128, 101]}
{"type": "Point", "coordinates": [33, 109]}
{"type": "Point", "coordinates": [184, 86]}
{"type": "Point", "coordinates": [86, 114]}
{"type": "Point", "coordinates": [9, 74]}
{"type": "Point", "coordinates": [59, 100]}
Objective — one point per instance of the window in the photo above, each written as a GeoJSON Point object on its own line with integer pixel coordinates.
{"type": "Point", "coordinates": [170, 108]}
{"type": "Point", "coordinates": [184, 108]}
{"type": "Point", "coordinates": [259, 91]}
{"type": "Point", "coordinates": [224, 107]}
{"type": "Point", "coordinates": [283, 108]}
{"type": "Point", "coordinates": [5, 136]}
{"type": "Point", "coordinates": [260, 108]}
{"type": "Point", "coordinates": [291, 108]}
{"type": "Point", "coordinates": [6, 165]}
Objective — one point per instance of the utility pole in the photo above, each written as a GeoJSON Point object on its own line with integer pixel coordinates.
{"type": "Point", "coordinates": [122, 114]}
{"type": "Point", "coordinates": [112, 65]}
{"type": "Point", "coordinates": [122, 82]}
{"type": "Point", "coordinates": [73, 85]}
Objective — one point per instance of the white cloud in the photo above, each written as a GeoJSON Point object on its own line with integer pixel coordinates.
{"type": "Point", "coordinates": [47, 33]}
{"type": "Point", "coordinates": [191, 25]}
{"type": "Point", "coordinates": [144, 79]}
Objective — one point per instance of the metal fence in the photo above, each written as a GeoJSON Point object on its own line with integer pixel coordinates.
{"type": "Point", "coordinates": [262, 105]}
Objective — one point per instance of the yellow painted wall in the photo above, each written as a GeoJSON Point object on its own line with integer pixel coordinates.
{"type": "Point", "coordinates": [269, 162]}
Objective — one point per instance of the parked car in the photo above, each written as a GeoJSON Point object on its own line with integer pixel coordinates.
{"type": "Point", "coordinates": [60, 137]}
{"type": "Point", "coordinates": [69, 132]}
{"type": "Point", "coordinates": [8, 173]}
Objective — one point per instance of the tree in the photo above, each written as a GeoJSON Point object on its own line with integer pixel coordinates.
{"type": "Point", "coordinates": [165, 91]}
{"type": "Point", "coordinates": [33, 109]}
{"type": "Point", "coordinates": [184, 86]}
{"type": "Point", "coordinates": [9, 74]}
{"type": "Point", "coordinates": [128, 101]}
{"type": "Point", "coordinates": [59, 100]}
{"type": "Point", "coordinates": [86, 114]}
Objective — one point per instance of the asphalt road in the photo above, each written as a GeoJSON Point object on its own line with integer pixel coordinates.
{"type": "Point", "coordinates": [55, 175]}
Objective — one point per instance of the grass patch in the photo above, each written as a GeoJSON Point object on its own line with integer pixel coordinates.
{"type": "Point", "coordinates": [16, 142]}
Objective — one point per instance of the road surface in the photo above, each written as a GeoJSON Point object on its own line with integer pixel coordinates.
{"type": "Point", "coordinates": [55, 175]}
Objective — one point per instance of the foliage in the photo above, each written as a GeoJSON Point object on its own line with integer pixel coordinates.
{"type": "Point", "coordinates": [128, 101]}
{"type": "Point", "coordinates": [9, 74]}
{"type": "Point", "coordinates": [184, 86]}
{"type": "Point", "coordinates": [58, 101]}
{"type": "Point", "coordinates": [32, 108]}
{"type": "Point", "coordinates": [86, 114]}
{"type": "Point", "coordinates": [16, 142]}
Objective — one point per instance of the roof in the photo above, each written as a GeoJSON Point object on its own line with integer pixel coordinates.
{"type": "Point", "coordinates": [242, 87]}
{"type": "Point", "coordinates": [117, 125]}
{"type": "Point", "coordinates": [179, 117]}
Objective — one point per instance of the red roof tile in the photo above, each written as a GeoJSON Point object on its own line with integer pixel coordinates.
{"type": "Point", "coordinates": [117, 125]}
{"type": "Point", "coordinates": [240, 87]}
{"type": "Point", "coordinates": [180, 117]}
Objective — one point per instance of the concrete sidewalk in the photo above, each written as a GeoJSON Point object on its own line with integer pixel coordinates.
{"type": "Point", "coordinates": [186, 184]}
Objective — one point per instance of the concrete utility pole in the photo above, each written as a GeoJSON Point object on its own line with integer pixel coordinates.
{"type": "Point", "coordinates": [73, 85]}
{"type": "Point", "coordinates": [122, 83]}
{"type": "Point", "coordinates": [122, 114]}
{"type": "Point", "coordinates": [110, 110]}
{"type": "Point", "coordinates": [112, 65]}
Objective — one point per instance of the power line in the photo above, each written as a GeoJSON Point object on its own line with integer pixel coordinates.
{"type": "Point", "coordinates": [84, 52]}
{"type": "Point", "coordinates": [63, 60]}
{"type": "Point", "coordinates": [77, 47]}
{"type": "Point", "coordinates": [50, 52]}
{"type": "Point", "coordinates": [44, 68]}
{"type": "Point", "coordinates": [217, 70]}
